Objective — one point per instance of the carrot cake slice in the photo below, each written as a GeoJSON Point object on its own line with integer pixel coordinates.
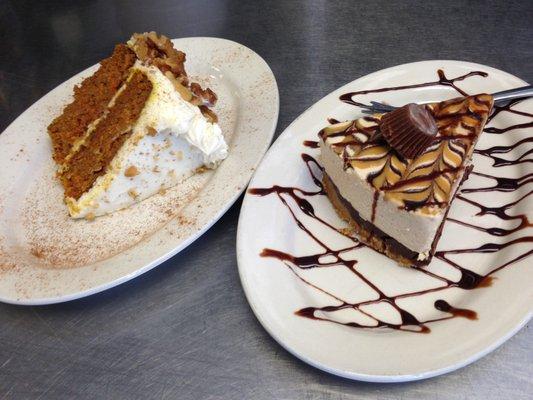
{"type": "Point", "coordinates": [135, 127]}
{"type": "Point", "coordinates": [394, 176]}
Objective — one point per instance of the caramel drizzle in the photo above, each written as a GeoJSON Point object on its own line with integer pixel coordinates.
{"type": "Point", "coordinates": [468, 279]}
{"type": "Point", "coordinates": [430, 177]}
{"type": "Point", "coordinates": [359, 150]}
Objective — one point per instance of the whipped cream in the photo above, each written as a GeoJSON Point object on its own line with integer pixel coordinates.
{"type": "Point", "coordinates": [167, 110]}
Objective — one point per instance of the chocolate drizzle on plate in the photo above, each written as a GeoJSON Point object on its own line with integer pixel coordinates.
{"type": "Point", "coordinates": [329, 257]}
{"type": "Point", "coordinates": [443, 81]}
{"type": "Point", "coordinates": [443, 306]}
{"type": "Point", "coordinates": [509, 128]}
{"type": "Point", "coordinates": [508, 108]}
{"type": "Point", "coordinates": [501, 162]}
{"type": "Point", "coordinates": [503, 184]}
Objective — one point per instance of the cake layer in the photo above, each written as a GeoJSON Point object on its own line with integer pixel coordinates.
{"type": "Point", "coordinates": [137, 173]}
{"type": "Point", "coordinates": [136, 127]}
{"type": "Point", "coordinates": [93, 157]}
{"type": "Point", "coordinates": [167, 142]}
{"type": "Point", "coordinates": [91, 98]}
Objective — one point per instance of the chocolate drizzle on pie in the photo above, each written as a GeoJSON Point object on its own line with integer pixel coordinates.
{"type": "Point", "coordinates": [311, 143]}
{"type": "Point", "coordinates": [374, 206]}
{"type": "Point", "coordinates": [426, 181]}
{"type": "Point", "coordinates": [331, 256]}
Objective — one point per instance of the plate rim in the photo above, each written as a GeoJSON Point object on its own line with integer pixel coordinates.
{"type": "Point", "coordinates": [191, 239]}
{"type": "Point", "coordinates": [373, 378]}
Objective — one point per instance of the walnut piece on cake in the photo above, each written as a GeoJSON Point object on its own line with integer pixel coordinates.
{"type": "Point", "coordinates": [158, 50]}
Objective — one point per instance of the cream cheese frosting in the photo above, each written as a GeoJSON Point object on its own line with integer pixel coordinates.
{"type": "Point", "coordinates": [170, 140]}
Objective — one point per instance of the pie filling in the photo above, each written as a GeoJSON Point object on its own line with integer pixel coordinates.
{"type": "Point", "coordinates": [395, 204]}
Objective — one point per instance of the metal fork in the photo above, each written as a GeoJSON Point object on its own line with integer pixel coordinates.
{"type": "Point", "coordinates": [500, 98]}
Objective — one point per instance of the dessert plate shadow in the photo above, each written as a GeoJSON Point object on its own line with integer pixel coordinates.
{"type": "Point", "coordinates": [47, 257]}
{"type": "Point", "coordinates": [352, 312]}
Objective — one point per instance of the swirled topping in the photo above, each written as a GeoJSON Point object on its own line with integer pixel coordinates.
{"type": "Point", "coordinates": [429, 178]}
{"type": "Point", "coordinates": [424, 183]}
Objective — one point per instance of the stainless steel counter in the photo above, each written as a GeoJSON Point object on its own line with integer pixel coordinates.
{"type": "Point", "coordinates": [185, 330]}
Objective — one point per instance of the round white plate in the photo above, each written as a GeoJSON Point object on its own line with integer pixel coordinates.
{"type": "Point", "coordinates": [275, 291]}
{"type": "Point", "coordinates": [46, 257]}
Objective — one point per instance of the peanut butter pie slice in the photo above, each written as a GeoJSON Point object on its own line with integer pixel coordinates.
{"type": "Point", "coordinates": [393, 176]}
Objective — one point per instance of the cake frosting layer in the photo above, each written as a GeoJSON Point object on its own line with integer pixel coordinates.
{"type": "Point", "coordinates": [91, 98]}
{"type": "Point", "coordinates": [166, 110]}
{"type": "Point", "coordinates": [137, 173]}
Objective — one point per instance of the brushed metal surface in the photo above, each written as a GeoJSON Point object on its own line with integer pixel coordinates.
{"type": "Point", "coordinates": [185, 330]}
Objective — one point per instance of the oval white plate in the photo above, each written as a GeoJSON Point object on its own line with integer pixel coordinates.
{"type": "Point", "coordinates": [45, 257]}
{"type": "Point", "coordinates": [384, 355]}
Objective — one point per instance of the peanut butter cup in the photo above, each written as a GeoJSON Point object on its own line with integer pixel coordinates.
{"type": "Point", "coordinates": [409, 129]}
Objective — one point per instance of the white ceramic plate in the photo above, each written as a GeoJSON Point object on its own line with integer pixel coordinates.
{"type": "Point", "coordinates": [275, 291]}
{"type": "Point", "coordinates": [45, 257]}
